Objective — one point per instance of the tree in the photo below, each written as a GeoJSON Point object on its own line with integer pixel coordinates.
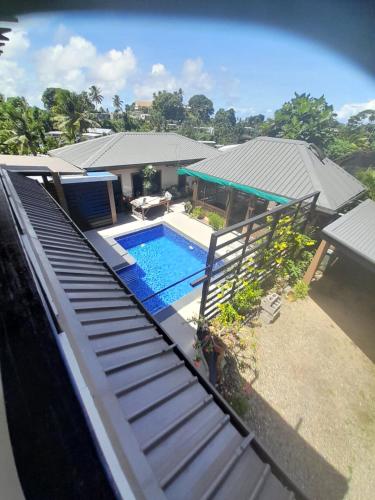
{"type": "Point", "coordinates": [253, 126]}
{"type": "Point", "coordinates": [168, 106]}
{"type": "Point", "coordinates": [226, 130]}
{"type": "Point", "coordinates": [23, 131]}
{"type": "Point", "coordinates": [117, 103]}
{"type": "Point", "coordinates": [305, 118]}
{"type": "Point", "coordinates": [201, 107]}
{"type": "Point", "coordinates": [95, 95]}
{"type": "Point", "coordinates": [367, 177]}
{"type": "Point", "coordinates": [72, 115]}
{"type": "Point", "coordinates": [49, 96]}
{"type": "Point", "coordinates": [361, 129]}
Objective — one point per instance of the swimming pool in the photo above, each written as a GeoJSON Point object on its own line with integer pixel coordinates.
{"type": "Point", "coordinates": [162, 257]}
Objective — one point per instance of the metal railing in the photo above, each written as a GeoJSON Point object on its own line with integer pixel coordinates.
{"type": "Point", "coordinates": [232, 248]}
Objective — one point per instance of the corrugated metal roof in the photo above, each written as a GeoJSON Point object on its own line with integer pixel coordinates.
{"type": "Point", "coordinates": [284, 167]}
{"type": "Point", "coordinates": [356, 230]}
{"type": "Point", "coordinates": [38, 164]}
{"type": "Point", "coordinates": [173, 434]}
{"type": "Point", "coordinates": [134, 148]}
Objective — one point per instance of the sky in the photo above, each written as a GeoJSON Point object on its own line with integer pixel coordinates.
{"type": "Point", "coordinates": [249, 67]}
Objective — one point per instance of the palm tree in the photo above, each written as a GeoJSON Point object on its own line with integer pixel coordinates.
{"type": "Point", "coordinates": [117, 103]}
{"type": "Point", "coordinates": [72, 115]}
{"type": "Point", "coordinates": [95, 95]}
{"type": "Point", "coordinates": [23, 126]}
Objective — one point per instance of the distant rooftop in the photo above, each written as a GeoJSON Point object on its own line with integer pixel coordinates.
{"type": "Point", "coordinates": [284, 167]}
{"type": "Point", "coordinates": [134, 148]}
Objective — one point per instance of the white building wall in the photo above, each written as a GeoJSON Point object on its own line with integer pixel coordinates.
{"type": "Point", "coordinates": [169, 177]}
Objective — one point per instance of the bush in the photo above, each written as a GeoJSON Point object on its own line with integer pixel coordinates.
{"type": "Point", "coordinates": [216, 221]}
{"type": "Point", "coordinates": [246, 298]}
{"type": "Point", "coordinates": [228, 315]}
{"type": "Point", "coordinates": [188, 207]}
{"type": "Point", "coordinates": [295, 269]}
{"type": "Point", "coordinates": [300, 290]}
{"type": "Point", "coordinates": [198, 213]}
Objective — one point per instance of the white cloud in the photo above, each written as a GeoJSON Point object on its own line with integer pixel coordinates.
{"type": "Point", "coordinates": [193, 78]}
{"type": "Point", "coordinates": [11, 78]}
{"type": "Point", "coordinates": [349, 109]}
{"type": "Point", "coordinates": [17, 45]}
{"type": "Point", "coordinates": [77, 65]}
{"type": "Point", "coordinates": [112, 70]}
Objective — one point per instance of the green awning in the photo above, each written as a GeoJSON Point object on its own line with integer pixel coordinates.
{"type": "Point", "coordinates": [240, 187]}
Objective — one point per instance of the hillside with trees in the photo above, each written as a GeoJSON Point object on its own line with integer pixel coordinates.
{"type": "Point", "coordinates": [24, 129]}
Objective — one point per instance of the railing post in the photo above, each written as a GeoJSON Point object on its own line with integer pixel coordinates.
{"type": "Point", "coordinates": [246, 242]}
{"type": "Point", "coordinates": [209, 268]}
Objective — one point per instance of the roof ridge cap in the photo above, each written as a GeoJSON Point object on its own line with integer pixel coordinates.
{"type": "Point", "coordinates": [305, 153]}
{"type": "Point", "coordinates": [101, 151]}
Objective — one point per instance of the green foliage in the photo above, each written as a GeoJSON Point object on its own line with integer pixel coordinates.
{"type": "Point", "coordinates": [295, 268]}
{"type": "Point", "coordinates": [72, 114]}
{"type": "Point", "coordinates": [215, 220]}
{"type": "Point", "coordinates": [228, 314]}
{"type": "Point", "coordinates": [340, 148]}
{"type": "Point", "coordinates": [95, 95]}
{"type": "Point", "coordinates": [247, 297]}
{"type": "Point", "coordinates": [148, 173]}
{"type": "Point", "coordinates": [117, 103]}
{"type": "Point", "coordinates": [201, 107]}
{"type": "Point", "coordinates": [304, 117]}
{"type": "Point", "coordinates": [225, 126]}
{"type": "Point", "coordinates": [300, 290]}
{"type": "Point", "coordinates": [240, 404]}
{"type": "Point", "coordinates": [198, 213]}
{"type": "Point", "coordinates": [168, 106]}
{"type": "Point", "coordinates": [367, 177]}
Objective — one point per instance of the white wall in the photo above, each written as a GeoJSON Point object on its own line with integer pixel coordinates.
{"type": "Point", "coordinates": [169, 177]}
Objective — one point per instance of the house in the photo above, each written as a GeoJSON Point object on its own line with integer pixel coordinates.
{"type": "Point", "coordinates": [123, 156]}
{"type": "Point", "coordinates": [268, 169]}
{"type": "Point", "coordinates": [160, 430]}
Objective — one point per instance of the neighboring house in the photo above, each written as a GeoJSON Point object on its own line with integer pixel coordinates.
{"type": "Point", "coordinates": [272, 169]}
{"type": "Point", "coordinates": [125, 154]}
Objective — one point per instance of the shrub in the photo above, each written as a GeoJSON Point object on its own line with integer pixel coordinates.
{"type": "Point", "coordinates": [198, 213]}
{"type": "Point", "coordinates": [240, 404]}
{"type": "Point", "coordinates": [228, 315]}
{"type": "Point", "coordinates": [188, 207]}
{"type": "Point", "coordinates": [295, 269]}
{"type": "Point", "coordinates": [248, 297]}
{"type": "Point", "coordinates": [216, 221]}
{"type": "Point", "coordinates": [300, 290]}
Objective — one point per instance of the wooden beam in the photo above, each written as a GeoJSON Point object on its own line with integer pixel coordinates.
{"type": "Point", "coordinates": [229, 206]}
{"type": "Point", "coordinates": [112, 201]}
{"type": "Point", "coordinates": [315, 263]}
{"type": "Point", "coordinates": [60, 191]}
{"type": "Point", "coordinates": [195, 193]}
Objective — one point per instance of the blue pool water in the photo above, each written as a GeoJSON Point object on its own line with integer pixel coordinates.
{"type": "Point", "coordinates": [163, 257]}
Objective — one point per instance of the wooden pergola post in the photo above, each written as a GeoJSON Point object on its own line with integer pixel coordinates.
{"type": "Point", "coordinates": [195, 192]}
{"type": "Point", "coordinates": [112, 202]}
{"type": "Point", "coordinates": [60, 191]}
{"type": "Point", "coordinates": [315, 263]}
{"type": "Point", "coordinates": [228, 208]}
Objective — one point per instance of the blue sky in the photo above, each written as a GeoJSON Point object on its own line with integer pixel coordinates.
{"type": "Point", "coordinates": [252, 68]}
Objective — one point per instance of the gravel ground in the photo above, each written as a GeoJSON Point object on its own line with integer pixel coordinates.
{"type": "Point", "coordinates": [312, 402]}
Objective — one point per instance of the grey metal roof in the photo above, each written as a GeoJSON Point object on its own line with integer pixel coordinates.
{"type": "Point", "coordinates": [284, 167]}
{"type": "Point", "coordinates": [134, 148]}
{"type": "Point", "coordinates": [355, 230]}
{"type": "Point", "coordinates": [172, 433]}
{"type": "Point", "coordinates": [37, 164]}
